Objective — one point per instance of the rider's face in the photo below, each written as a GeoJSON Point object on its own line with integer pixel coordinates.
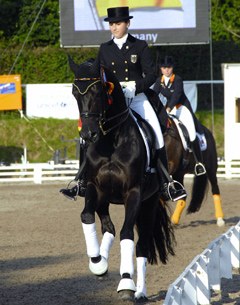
{"type": "Point", "coordinates": [167, 71]}
{"type": "Point", "coordinates": [119, 29]}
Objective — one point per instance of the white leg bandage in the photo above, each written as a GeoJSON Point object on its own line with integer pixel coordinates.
{"type": "Point", "coordinates": [141, 275]}
{"type": "Point", "coordinates": [107, 242]}
{"type": "Point", "coordinates": [92, 244]}
{"type": "Point", "coordinates": [127, 252]}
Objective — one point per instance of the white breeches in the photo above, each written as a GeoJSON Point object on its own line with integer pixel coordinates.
{"type": "Point", "coordinates": [185, 116]}
{"type": "Point", "coordinates": [142, 106]}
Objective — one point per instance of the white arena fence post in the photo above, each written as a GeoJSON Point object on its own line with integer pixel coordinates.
{"type": "Point", "coordinates": [204, 273]}
{"type": "Point", "coordinates": [37, 174]}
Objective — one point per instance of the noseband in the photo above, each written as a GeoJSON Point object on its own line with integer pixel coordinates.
{"type": "Point", "coordinates": [103, 121]}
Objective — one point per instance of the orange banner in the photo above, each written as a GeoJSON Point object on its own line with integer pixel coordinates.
{"type": "Point", "coordinates": [10, 92]}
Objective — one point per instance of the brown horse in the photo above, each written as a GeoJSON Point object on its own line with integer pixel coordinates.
{"type": "Point", "coordinates": [181, 162]}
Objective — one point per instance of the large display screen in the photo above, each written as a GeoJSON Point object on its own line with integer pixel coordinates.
{"type": "Point", "coordinates": [159, 22]}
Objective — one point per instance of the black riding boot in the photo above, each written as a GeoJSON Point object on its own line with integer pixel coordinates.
{"type": "Point", "coordinates": [80, 188]}
{"type": "Point", "coordinates": [199, 167]}
{"type": "Point", "coordinates": [170, 189]}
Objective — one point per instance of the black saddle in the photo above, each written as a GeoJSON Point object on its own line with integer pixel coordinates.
{"type": "Point", "coordinates": [149, 135]}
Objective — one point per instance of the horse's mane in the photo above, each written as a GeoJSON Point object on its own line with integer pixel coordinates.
{"type": "Point", "coordinates": [117, 92]}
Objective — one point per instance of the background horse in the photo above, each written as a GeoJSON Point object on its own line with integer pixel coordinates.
{"type": "Point", "coordinates": [181, 162]}
{"type": "Point", "coordinates": [116, 173]}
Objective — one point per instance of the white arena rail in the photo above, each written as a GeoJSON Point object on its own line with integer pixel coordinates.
{"type": "Point", "coordinates": [40, 172]}
{"type": "Point", "coordinates": [204, 273]}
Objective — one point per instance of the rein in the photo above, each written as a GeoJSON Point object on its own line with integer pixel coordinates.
{"type": "Point", "coordinates": [103, 121]}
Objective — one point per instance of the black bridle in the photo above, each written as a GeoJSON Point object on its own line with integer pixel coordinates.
{"type": "Point", "coordinates": [103, 121]}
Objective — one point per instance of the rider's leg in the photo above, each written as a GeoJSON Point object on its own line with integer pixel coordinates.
{"type": "Point", "coordinates": [197, 153]}
{"type": "Point", "coordinates": [185, 116]}
{"type": "Point", "coordinates": [80, 188]}
{"type": "Point", "coordinates": [141, 105]}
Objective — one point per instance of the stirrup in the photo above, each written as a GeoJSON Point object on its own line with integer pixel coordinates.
{"type": "Point", "coordinates": [176, 191]}
{"type": "Point", "coordinates": [199, 169]}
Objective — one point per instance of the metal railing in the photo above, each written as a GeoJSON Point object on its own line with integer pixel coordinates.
{"type": "Point", "coordinates": [204, 273]}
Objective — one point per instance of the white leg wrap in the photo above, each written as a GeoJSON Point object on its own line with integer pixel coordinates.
{"type": "Point", "coordinates": [141, 276]}
{"type": "Point", "coordinates": [92, 244]}
{"type": "Point", "coordinates": [127, 252]}
{"type": "Point", "coordinates": [107, 242]}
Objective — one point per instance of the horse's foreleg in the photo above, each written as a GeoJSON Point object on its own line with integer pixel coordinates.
{"type": "Point", "coordinates": [98, 264]}
{"type": "Point", "coordinates": [181, 204]}
{"type": "Point", "coordinates": [218, 210]}
{"type": "Point", "coordinates": [106, 244]}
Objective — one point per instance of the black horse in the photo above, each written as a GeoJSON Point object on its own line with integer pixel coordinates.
{"type": "Point", "coordinates": [181, 162]}
{"type": "Point", "coordinates": [116, 161]}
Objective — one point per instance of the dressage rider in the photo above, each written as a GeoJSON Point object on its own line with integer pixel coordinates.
{"type": "Point", "coordinates": [129, 58]}
{"type": "Point", "coordinates": [170, 85]}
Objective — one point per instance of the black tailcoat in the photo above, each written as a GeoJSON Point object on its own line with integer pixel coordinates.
{"type": "Point", "coordinates": [175, 95]}
{"type": "Point", "coordinates": [173, 92]}
{"type": "Point", "coordinates": [133, 62]}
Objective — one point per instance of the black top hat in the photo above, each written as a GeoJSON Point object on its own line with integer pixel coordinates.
{"type": "Point", "coordinates": [167, 61]}
{"type": "Point", "coordinates": [116, 14]}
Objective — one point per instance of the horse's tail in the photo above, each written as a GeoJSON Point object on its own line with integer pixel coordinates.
{"type": "Point", "coordinates": [199, 190]}
{"type": "Point", "coordinates": [155, 231]}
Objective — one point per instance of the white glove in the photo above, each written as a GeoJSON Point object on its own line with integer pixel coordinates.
{"type": "Point", "coordinates": [129, 88]}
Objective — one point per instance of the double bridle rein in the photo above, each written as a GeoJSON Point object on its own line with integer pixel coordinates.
{"type": "Point", "coordinates": [103, 121]}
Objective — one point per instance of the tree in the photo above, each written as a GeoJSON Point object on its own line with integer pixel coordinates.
{"type": "Point", "coordinates": [32, 21]}
{"type": "Point", "coordinates": [226, 20]}
{"type": "Point", "coordinates": [9, 15]}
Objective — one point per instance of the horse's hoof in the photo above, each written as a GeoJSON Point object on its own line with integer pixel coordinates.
{"type": "Point", "coordinates": [126, 295]}
{"type": "Point", "coordinates": [140, 297]}
{"type": "Point", "coordinates": [126, 289]}
{"type": "Point", "coordinates": [99, 268]}
{"type": "Point", "coordinates": [220, 222]}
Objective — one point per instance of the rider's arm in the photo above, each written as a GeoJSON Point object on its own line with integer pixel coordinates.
{"type": "Point", "coordinates": [176, 92]}
{"type": "Point", "coordinates": [159, 87]}
{"type": "Point", "coordinates": [147, 68]}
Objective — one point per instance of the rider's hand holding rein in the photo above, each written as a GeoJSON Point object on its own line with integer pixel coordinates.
{"type": "Point", "coordinates": [129, 89]}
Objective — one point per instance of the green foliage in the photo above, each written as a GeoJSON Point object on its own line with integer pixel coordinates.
{"type": "Point", "coordinates": [226, 20]}
{"type": "Point", "coordinates": [43, 65]}
{"type": "Point", "coordinates": [44, 136]}
{"type": "Point", "coordinates": [9, 15]}
{"type": "Point", "coordinates": [45, 30]}
{"type": "Point", "coordinates": [32, 21]}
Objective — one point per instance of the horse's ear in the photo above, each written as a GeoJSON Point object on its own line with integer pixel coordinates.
{"type": "Point", "coordinates": [73, 66]}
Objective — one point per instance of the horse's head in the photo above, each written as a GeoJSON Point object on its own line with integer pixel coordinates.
{"type": "Point", "coordinates": [94, 95]}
